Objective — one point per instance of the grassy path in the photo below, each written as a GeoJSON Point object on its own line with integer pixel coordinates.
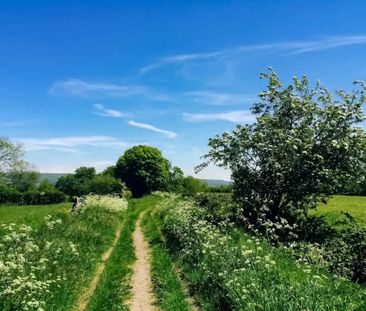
{"type": "Point", "coordinates": [139, 274]}
{"type": "Point", "coordinates": [171, 293]}
{"type": "Point", "coordinates": [85, 297]}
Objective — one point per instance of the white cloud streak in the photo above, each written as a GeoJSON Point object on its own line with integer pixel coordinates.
{"type": "Point", "coordinates": [104, 112]}
{"type": "Point", "coordinates": [80, 88]}
{"type": "Point", "coordinates": [71, 143]}
{"type": "Point", "coordinates": [292, 47]}
{"type": "Point", "coordinates": [237, 116]}
{"type": "Point", "coordinates": [220, 99]}
{"type": "Point", "coordinates": [88, 90]}
{"type": "Point", "coordinates": [16, 123]}
{"type": "Point", "coordinates": [166, 133]}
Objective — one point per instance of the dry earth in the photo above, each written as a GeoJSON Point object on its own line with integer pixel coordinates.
{"type": "Point", "coordinates": [142, 297]}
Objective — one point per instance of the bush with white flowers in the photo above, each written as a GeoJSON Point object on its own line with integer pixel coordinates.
{"type": "Point", "coordinates": [108, 203]}
{"type": "Point", "coordinates": [229, 269]}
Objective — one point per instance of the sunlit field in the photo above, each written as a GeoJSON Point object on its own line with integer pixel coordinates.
{"type": "Point", "coordinates": [31, 215]}
{"type": "Point", "coordinates": [355, 205]}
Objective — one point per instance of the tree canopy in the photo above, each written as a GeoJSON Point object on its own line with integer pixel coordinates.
{"type": "Point", "coordinates": [304, 145]}
{"type": "Point", "coordinates": [143, 169]}
{"type": "Point", "coordinates": [10, 154]}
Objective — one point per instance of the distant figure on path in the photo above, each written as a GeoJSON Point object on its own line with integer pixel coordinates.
{"type": "Point", "coordinates": [75, 204]}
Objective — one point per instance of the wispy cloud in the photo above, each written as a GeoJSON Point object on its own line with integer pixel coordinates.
{"type": "Point", "coordinates": [71, 143]}
{"type": "Point", "coordinates": [292, 47]}
{"type": "Point", "coordinates": [85, 89]}
{"type": "Point", "coordinates": [237, 116]}
{"type": "Point", "coordinates": [89, 90]}
{"type": "Point", "coordinates": [16, 123]}
{"type": "Point", "coordinates": [150, 127]}
{"type": "Point", "coordinates": [178, 59]}
{"type": "Point", "coordinates": [215, 98]}
{"type": "Point", "coordinates": [104, 112]}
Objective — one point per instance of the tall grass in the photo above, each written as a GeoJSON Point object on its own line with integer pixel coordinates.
{"type": "Point", "coordinates": [230, 270]}
{"type": "Point", "coordinates": [47, 267]}
{"type": "Point", "coordinates": [167, 286]}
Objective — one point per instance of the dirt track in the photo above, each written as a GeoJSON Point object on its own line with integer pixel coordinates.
{"type": "Point", "coordinates": [142, 297]}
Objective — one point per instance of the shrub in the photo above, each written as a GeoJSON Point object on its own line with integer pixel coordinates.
{"type": "Point", "coordinates": [10, 196]}
{"type": "Point", "coordinates": [31, 197]}
{"type": "Point", "coordinates": [304, 145]}
{"type": "Point", "coordinates": [346, 254]}
{"type": "Point", "coordinates": [229, 270]}
{"type": "Point", "coordinates": [42, 197]}
{"type": "Point", "coordinates": [105, 202]}
{"type": "Point", "coordinates": [218, 206]}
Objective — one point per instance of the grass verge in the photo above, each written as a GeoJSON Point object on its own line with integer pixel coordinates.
{"type": "Point", "coordinates": [60, 256]}
{"type": "Point", "coordinates": [167, 286]}
{"type": "Point", "coordinates": [230, 270]}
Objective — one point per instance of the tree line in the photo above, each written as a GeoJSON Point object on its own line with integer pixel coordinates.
{"type": "Point", "coordinates": [139, 171]}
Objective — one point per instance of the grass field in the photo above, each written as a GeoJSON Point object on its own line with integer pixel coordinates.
{"type": "Point", "coordinates": [58, 256]}
{"type": "Point", "coordinates": [355, 205]}
{"type": "Point", "coordinates": [32, 215]}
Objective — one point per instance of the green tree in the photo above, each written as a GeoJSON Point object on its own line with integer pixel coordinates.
{"type": "Point", "coordinates": [192, 186]}
{"type": "Point", "coordinates": [304, 146]}
{"type": "Point", "coordinates": [10, 154]}
{"type": "Point", "coordinates": [69, 185]}
{"type": "Point", "coordinates": [22, 177]}
{"type": "Point", "coordinates": [46, 186]}
{"type": "Point", "coordinates": [109, 171]}
{"type": "Point", "coordinates": [84, 174]}
{"type": "Point", "coordinates": [105, 184]}
{"type": "Point", "coordinates": [176, 180]}
{"type": "Point", "coordinates": [143, 169]}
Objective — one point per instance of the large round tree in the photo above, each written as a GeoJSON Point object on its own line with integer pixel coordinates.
{"type": "Point", "coordinates": [143, 169]}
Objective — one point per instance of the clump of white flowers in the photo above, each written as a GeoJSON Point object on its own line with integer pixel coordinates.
{"type": "Point", "coordinates": [25, 265]}
{"type": "Point", "coordinates": [244, 272]}
{"type": "Point", "coordinates": [108, 203]}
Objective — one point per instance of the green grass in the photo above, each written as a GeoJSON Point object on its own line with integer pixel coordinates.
{"type": "Point", "coordinates": [112, 291]}
{"type": "Point", "coordinates": [92, 232]}
{"type": "Point", "coordinates": [355, 205]}
{"type": "Point", "coordinates": [32, 215]}
{"type": "Point", "coordinates": [167, 286]}
{"type": "Point", "coordinates": [231, 270]}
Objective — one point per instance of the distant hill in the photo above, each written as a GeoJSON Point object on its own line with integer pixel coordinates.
{"type": "Point", "coordinates": [216, 182]}
{"type": "Point", "coordinates": [52, 177]}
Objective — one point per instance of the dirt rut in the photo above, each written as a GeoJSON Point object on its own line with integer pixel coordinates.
{"type": "Point", "coordinates": [142, 297]}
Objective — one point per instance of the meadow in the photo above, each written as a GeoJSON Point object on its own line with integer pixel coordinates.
{"type": "Point", "coordinates": [197, 262]}
{"type": "Point", "coordinates": [354, 205]}
{"type": "Point", "coordinates": [32, 215]}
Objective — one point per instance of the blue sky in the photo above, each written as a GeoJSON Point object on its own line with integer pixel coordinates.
{"type": "Point", "coordinates": [81, 81]}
